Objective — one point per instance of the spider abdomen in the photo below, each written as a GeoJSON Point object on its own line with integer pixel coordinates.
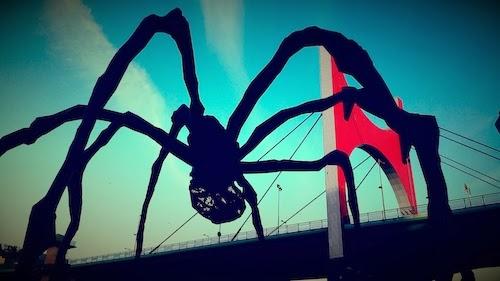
{"type": "Point", "coordinates": [212, 189]}
{"type": "Point", "coordinates": [218, 206]}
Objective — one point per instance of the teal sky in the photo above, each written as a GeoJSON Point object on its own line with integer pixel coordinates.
{"type": "Point", "coordinates": [440, 58]}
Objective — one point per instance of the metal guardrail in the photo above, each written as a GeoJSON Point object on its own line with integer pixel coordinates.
{"type": "Point", "coordinates": [420, 211]}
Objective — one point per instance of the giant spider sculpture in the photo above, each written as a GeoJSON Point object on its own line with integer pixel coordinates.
{"type": "Point", "coordinates": [212, 150]}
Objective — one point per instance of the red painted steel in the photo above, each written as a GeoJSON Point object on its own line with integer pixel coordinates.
{"type": "Point", "coordinates": [383, 144]}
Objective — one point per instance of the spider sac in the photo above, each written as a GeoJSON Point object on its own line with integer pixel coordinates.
{"type": "Point", "coordinates": [215, 171]}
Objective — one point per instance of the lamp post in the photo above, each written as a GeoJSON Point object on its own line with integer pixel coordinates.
{"type": "Point", "coordinates": [381, 188]}
{"type": "Point", "coordinates": [279, 190]}
{"type": "Point", "coordinates": [468, 193]}
{"type": "Point", "coordinates": [383, 201]}
{"type": "Point", "coordinates": [135, 241]}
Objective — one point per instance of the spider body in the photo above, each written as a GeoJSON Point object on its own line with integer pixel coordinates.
{"type": "Point", "coordinates": [214, 172]}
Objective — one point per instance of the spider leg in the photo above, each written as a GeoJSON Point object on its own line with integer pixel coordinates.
{"type": "Point", "coordinates": [421, 132]}
{"type": "Point", "coordinates": [264, 129]}
{"type": "Point", "coordinates": [174, 24]}
{"type": "Point", "coordinates": [179, 119]}
{"type": "Point", "coordinates": [155, 173]}
{"type": "Point", "coordinates": [350, 58]}
{"type": "Point", "coordinates": [333, 158]}
{"type": "Point", "coordinates": [75, 211]}
{"type": "Point", "coordinates": [75, 188]}
{"type": "Point", "coordinates": [44, 125]}
{"type": "Point", "coordinates": [75, 185]}
{"type": "Point", "coordinates": [251, 197]}
{"type": "Point", "coordinates": [43, 216]}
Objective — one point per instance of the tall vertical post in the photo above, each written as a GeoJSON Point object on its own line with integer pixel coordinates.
{"type": "Point", "coordinates": [381, 187]}
{"type": "Point", "coordinates": [279, 189]}
{"type": "Point", "coordinates": [335, 242]}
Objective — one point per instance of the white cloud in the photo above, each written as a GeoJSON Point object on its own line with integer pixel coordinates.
{"type": "Point", "coordinates": [76, 38]}
{"type": "Point", "coordinates": [223, 28]}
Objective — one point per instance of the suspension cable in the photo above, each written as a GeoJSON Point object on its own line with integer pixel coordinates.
{"type": "Point", "coordinates": [359, 164]}
{"type": "Point", "coordinates": [469, 139]}
{"type": "Point", "coordinates": [283, 138]}
{"type": "Point", "coordinates": [380, 171]}
{"type": "Point", "coordinates": [297, 212]}
{"type": "Point", "coordinates": [470, 147]}
{"type": "Point", "coordinates": [474, 176]}
{"type": "Point", "coordinates": [319, 195]}
{"type": "Point", "coordinates": [277, 176]}
{"type": "Point", "coordinates": [468, 167]}
{"type": "Point", "coordinates": [366, 175]}
{"type": "Point", "coordinates": [293, 154]}
{"type": "Point", "coordinates": [172, 234]}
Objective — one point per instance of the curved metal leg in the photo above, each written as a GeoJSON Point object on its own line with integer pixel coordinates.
{"type": "Point", "coordinates": [350, 58]}
{"type": "Point", "coordinates": [179, 118]}
{"type": "Point", "coordinates": [264, 129]}
{"type": "Point", "coordinates": [333, 158]}
{"type": "Point", "coordinates": [175, 25]}
{"type": "Point", "coordinates": [155, 173]}
{"type": "Point", "coordinates": [251, 197]}
{"type": "Point", "coordinates": [44, 125]}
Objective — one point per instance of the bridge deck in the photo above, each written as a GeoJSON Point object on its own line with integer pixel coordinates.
{"type": "Point", "coordinates": [392, 249]}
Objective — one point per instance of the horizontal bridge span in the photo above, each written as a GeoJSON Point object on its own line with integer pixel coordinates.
{"type": "Point", "coordinates": [376, 248]}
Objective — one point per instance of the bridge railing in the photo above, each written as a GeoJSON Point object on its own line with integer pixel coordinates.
{"type": "Point", "coordinates": [420, 211]}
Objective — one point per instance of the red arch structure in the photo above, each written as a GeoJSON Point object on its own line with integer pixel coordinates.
{"type": "Point", "coordinates": [360, 132]}
{"type": "Point", "coordinates": [381, 144]}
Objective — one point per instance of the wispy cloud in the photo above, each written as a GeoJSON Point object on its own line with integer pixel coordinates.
{"type": "Point", "coordinates": [76, 38]}
{"type": "Point", "coordinates": [224, 31]}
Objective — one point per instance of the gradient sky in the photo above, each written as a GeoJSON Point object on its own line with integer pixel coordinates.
{"type": "Point", "coordinates": [440, 58]}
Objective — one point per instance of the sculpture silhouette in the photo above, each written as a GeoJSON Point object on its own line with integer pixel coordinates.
{"type": "Point", "coordinates": [212, 151]}
{"type": "Point", "coordinates": [218, 186]}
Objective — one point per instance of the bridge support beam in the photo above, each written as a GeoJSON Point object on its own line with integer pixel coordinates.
{"type": "Point", "coordinates": [358, 132]}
